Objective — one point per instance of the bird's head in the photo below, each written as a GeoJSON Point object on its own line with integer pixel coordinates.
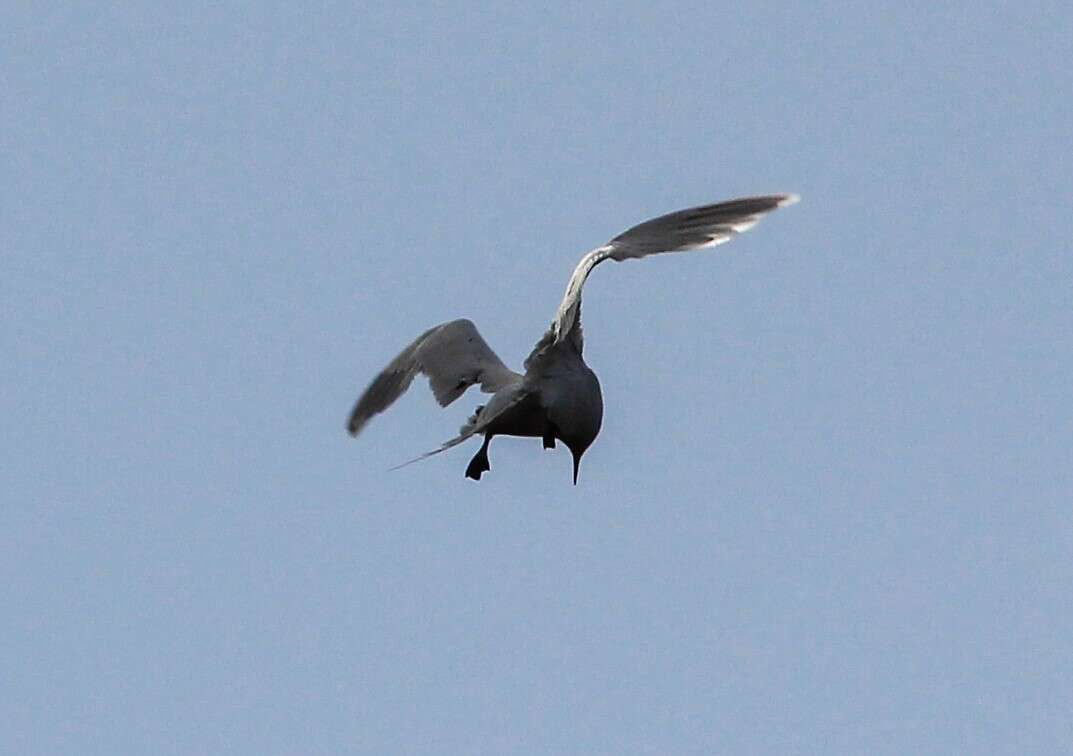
{"type": "Point", "coordinates": [582, 429]}
{"type": "Point", "coordinates": [577, 449]}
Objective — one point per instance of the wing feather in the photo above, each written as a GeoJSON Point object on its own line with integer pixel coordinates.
{"type": "Point", "coordinates": [453, 355]}
{"type": "Point", "coordinates": [694, 228]}
{"type": "Point", "coordinates": [478, 423]}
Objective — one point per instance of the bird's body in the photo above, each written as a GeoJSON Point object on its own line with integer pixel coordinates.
{"type": "Point", "coordinates": [558, 397]}
{"type": "Point", "coordinates": [560, 400]}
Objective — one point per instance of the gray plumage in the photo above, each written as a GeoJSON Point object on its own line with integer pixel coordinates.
{"type": "Point", "coordinates": [453, 356]}
{"type": "Point", "coordinates": [558, 397]}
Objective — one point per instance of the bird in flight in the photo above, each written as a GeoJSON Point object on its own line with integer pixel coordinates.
{"type": "Point", "coordinates": [558, 397]}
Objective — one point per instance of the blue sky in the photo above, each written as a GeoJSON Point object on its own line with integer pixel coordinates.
{"type": "Point", "coordinates": [829, 510]}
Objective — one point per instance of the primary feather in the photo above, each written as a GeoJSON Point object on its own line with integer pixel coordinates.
{"type": "Point", "coordinates": [695, 228]}
{"type": "Point", "coordinates": [453, 355]}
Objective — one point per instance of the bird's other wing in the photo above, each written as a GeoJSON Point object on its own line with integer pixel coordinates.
{"type": "Point", "coordinates": [695, 228]}
{"type": "Point", "coordinates": [453, 356]}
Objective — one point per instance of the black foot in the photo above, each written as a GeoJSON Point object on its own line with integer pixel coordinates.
{"type": "Point", "coordinates": [478, 465]}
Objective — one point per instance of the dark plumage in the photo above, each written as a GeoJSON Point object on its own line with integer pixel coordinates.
{"type": "Point", "coordinates": [558, 397]}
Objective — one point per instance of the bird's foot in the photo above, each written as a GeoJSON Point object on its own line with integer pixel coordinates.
{"type": "Point", "coordinates": [478, 465]}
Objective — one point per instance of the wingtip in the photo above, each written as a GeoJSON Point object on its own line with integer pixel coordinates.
{"type": "Point", "coordinates": [789, 199]}
{"type": "Point", "coordinates": [409, 462]}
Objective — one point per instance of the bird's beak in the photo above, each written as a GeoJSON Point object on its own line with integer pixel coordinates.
{"type": "Point", "coordinates": [577, 462]}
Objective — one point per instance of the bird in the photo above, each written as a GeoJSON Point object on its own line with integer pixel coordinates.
{"type": "Point", "coordinates": [557, 397]}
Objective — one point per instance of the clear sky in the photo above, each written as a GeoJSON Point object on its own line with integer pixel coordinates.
{"type": "Point", "coordinates": [830, 508]}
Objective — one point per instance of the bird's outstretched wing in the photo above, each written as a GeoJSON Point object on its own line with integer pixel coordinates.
{"type": "Point", "coordinates": [453, 356]}
{"type": "Point", "coordinates": [695, 228]}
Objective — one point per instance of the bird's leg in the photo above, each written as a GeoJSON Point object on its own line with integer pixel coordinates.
{"type": "Point", "coordinates": [549, 436]}
{"type": "Point", "coordinates": [479, 463]}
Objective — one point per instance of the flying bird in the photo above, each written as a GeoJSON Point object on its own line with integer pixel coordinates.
{"type": "Point", "coordinates": [558, 397]}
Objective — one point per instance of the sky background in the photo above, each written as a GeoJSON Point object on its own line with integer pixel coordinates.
{"type": "Point", "coordinates": [829, 510]}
